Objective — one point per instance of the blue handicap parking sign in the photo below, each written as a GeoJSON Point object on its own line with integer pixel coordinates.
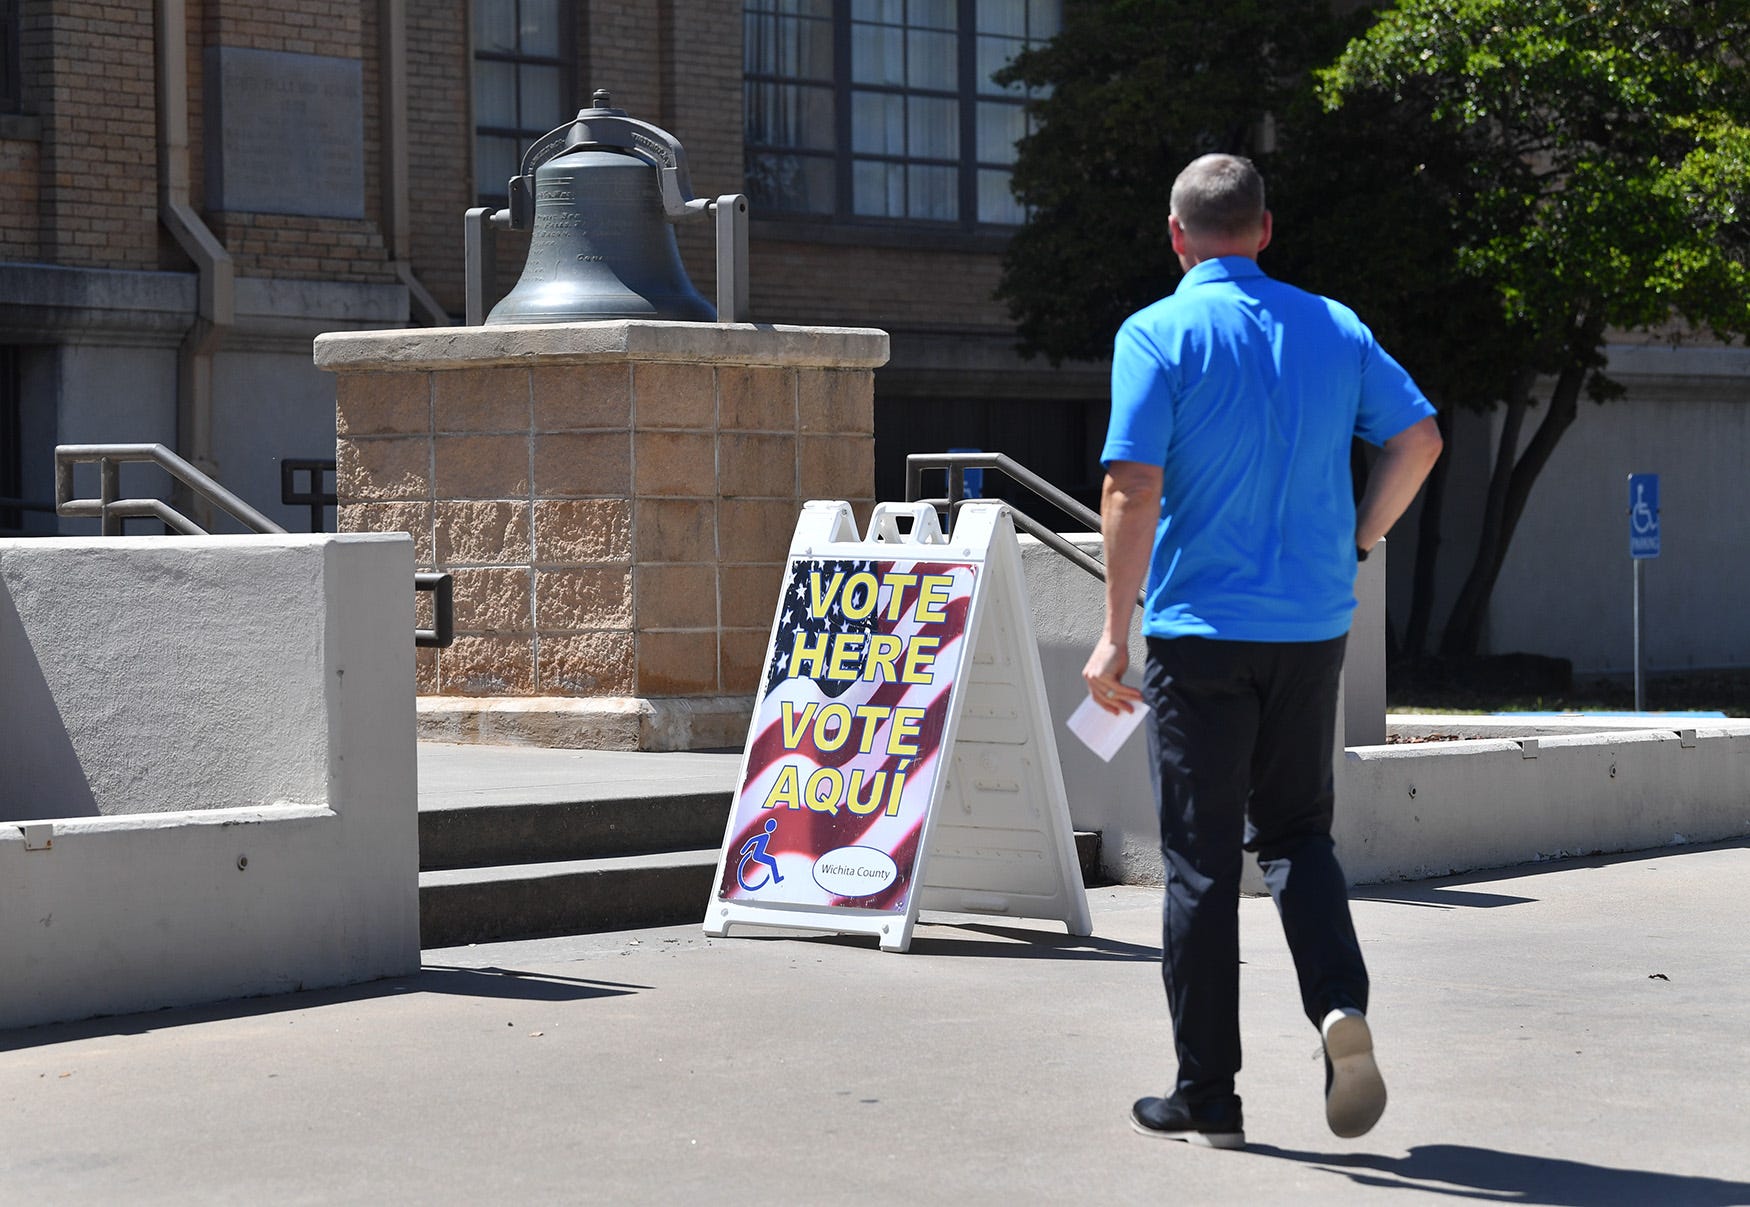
{"type": "Point", "coordinates": [1643, 515]}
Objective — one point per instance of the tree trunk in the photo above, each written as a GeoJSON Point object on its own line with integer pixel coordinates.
{"type": "Point", "coordinates": [1428, 547]}
{"type": "Point", "coordinates": [1510, 486]}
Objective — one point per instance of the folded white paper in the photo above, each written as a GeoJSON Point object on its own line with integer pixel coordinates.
{"type": "Point", "coordinates": [1104, 732]}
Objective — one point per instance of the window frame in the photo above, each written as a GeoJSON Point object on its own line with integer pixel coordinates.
{"type": "Point", "coordinates": [844, 157]}
{"type": "Point", "coordinates": [567, 63]}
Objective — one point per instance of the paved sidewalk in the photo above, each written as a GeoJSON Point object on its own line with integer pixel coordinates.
{"type": "Point", "coordinates": [1574, 1033]}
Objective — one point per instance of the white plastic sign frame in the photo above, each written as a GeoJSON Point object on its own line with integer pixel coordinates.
{"type": "Point", "coordinates": [938, 679]}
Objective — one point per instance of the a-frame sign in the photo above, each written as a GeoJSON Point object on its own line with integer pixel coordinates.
{"type": "Point", "coordinates": [901, 755]}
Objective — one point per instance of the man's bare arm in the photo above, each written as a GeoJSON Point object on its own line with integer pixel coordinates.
{"type": "Point", "coordinates": [1395, 479]}
{"type": "Point", "coordinates": [1130, 507]}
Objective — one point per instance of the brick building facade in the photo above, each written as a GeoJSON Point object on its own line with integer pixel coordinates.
{"type": "Point", "coordinates": [196, 188]}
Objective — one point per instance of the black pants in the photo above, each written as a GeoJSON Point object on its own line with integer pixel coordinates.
{"type": "Point", "coordinates": [1242, 735]}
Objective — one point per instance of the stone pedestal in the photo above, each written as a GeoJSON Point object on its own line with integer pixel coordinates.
{"type": "Point", "coordinates": [614, 501]}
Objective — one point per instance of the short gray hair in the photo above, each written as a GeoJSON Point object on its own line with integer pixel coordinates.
{"type": "Point", "coordinates": [1219, 195]}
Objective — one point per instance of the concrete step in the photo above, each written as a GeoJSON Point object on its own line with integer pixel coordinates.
{"type": "Point", "coordinates": [529, 900]}
{"type": "Point", "coordinates": [485, 835]}
{"type": "Point", "coordinates": [519, 843]}
{"type": "Point", "coordinates": [578, 896]}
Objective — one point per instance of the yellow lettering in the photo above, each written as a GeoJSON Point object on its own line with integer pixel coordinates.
{"type": "Point", "coordinates": [794, 728]}
{"type": "Point", "coordinates": [859, 607]}
{"type": "Point", "coordinates": [846, 649]}
{"type": "Point", "coordinates": [832, 739]}
{"type": "Point", "coordinates": [933, 598]}
{"type": "Point", "coordinates": [871, 715]}
{"type": "Point", "coordinates": [920, 655]}
{"type": "Point", "coordinates": [807, 653]}
{"type": "Point", "coordinates": [896, 585]}
{"type": "Point", "coordinates": [881, 664]}
{"type": "Point", "coordinates": [902, 738]}
{"type": "Point", "coordinates": [817, 605]}
{"type": "Point", "coordinates": [859, 806]}
{"type": "Point", "coordinates": [895, 793]}
{"type": "Point", "coordinates": [783, 793]}
{"type": "Point", "coordinates": [833, 781]}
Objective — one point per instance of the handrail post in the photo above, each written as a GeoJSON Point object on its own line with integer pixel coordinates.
{"type": "Point", "coordinates": [108, 491]}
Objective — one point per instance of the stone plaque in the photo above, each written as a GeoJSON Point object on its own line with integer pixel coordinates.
{"type": "Point", "coordinates": [286, 133]}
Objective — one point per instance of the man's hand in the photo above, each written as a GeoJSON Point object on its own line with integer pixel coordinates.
{"type": "Point", "coordinates": [1130, 506]}
{"type": "Point", "coordinates": [1103, 675]}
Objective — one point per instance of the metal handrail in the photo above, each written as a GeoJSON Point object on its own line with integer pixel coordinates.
{"type": "Point", "coordinates": [956, 465]}
{"type": "Point", "coordinates": [315, 498]}
{"type": "Point", "coordinates": [443, 590]}
{"type": "Point", "coordinates": [112, 510]}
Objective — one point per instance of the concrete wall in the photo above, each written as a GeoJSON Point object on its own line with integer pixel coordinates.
{"type": "Point", "coordinates": [1566, 587]}
{"type": "Point", "coordinates": [1408, 812]}
{"type": "Point", "coordinates": [1414, 810]}
{"type": "Point", "coordinates": [210, 780]}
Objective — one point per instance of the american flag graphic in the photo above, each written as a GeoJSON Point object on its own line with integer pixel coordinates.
{"type": "Point", "coordinates": [777, 862]}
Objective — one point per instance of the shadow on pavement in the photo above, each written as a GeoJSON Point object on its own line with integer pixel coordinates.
{"type": "Point", "coordinates": [500, 983]}
{"type": "Point", "coordinates": [1502, 1177]}
{"type": "Point", "coordinates": [1005, 943]}
{"type": "Point", "coordinates": [1434, 896]}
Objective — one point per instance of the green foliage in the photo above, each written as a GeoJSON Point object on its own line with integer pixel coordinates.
{"type": "Point", "coordinates": [1493, 185]}
{"type": "Point", "coordinates": [1138, 89]}
{"type": "Point", "coordinates": [1606, 179]}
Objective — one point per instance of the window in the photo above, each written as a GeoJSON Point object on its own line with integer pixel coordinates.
{"type": "Point", "coordinates": [10, 92]}
{"type": "Point", "coordinates": [523, 54]}
{"type": "Point", "coordinates": [885, 109]}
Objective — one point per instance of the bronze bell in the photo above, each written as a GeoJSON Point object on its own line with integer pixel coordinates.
{"type": "Point", "coordinates": [604, 191]}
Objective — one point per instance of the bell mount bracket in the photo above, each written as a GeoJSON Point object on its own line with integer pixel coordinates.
{"type": "Point", "coordinates": [612, 129]}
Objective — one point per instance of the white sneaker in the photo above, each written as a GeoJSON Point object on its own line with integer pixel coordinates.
{"type": "Point", "coordinates": [1354, 1090]}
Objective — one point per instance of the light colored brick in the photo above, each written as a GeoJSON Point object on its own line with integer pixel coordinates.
{"type": "Point", "coordinates": [757, 466]}
{"type": "Point", "coordinates": [749, 595]}
{"type": "Point", "coordinates": [490, 399]}
{"type": "Point", "coordinates": [482, 532]}
{"type": "Point", "coordinates": [583, 464]}
{"type": "Point", "coordinates": [497, 600]}
{"type": "Point", "coordinates": [415, 519]}
{"type": "Point", "coordinates": [756, 398]}
{"type": "Point", "coordinates": [670, 464]}
{"type": "Point", "coordinates": [742, 659]}
{"type": "Point", "coordinates": [587, 664]}
{"type": "Point", "coordinates": [674, 530]}
{"type": "Point", "coordinates": [379, 469]}
{"type": "Point", "coordinates": [591, 597]}
{"type": "Point", "coordinates": [570, 397]}
{"type": "Point", "coordinates": [495, 665]}
{"type": "Point", "coordinates": [582, 530]}
{"type": "Point", "coordinates": [481, 467]}
{"type": "Point", "coordinates": [677, 664]}
{"type": "Point", "coordinates": [838, 467]}
{"type": "Point", "coordinates": [673, 396]}
{"type": "Point", "coordinates": [675, 597]}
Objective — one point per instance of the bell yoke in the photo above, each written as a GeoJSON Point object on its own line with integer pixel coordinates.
{"type": "Point", "coordinates": [600, 195]}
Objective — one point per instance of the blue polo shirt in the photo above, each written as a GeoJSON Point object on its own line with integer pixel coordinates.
{"type": "Point", "coordinates": [1246, 392]}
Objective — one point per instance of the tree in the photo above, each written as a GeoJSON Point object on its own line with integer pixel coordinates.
{"type": "Point", "coordinates": [1492, 184]}
{"type": "Point", "coordinates": [1137, 89]}
{"type": "Point", "coordinates": [1604, 187]}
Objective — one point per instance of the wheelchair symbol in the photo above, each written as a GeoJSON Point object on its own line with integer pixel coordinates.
{"type": "Point", "coordinates": [753, 851]}
{"type": "Point", "coordinates": [1642, 516]}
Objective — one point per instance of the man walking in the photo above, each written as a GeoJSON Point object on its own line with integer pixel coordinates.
{"type": "Point", "coordinates": [1234, 400]}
